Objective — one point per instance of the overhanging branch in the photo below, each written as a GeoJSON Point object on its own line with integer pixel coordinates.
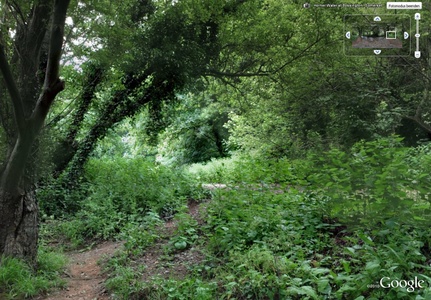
{"type": "Point", "coordinates": [260, 72]}
{"type": "Point", "coordinates": [296, 57]}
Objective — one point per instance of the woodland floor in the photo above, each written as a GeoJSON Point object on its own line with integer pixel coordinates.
{"type": "Point", "coordinates": [83, 274]}
{"type": "Point", "coordinates": [85, 279]}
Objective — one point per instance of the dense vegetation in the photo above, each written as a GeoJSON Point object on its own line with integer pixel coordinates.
{"type": "Point", "coordinates": [289, 170]}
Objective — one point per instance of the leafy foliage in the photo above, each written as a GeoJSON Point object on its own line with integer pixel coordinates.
{"type": "Point", "coordinates": [126, 194]}
{"type": "Point", "coordinates": [196, 132]}
{"type": "Point", "coordinates": [186, 233]}
{"type": "Point", "coordinates": [267, 240]}
{"type": "Point", "coordinates": [374, 182]}
{"type": "Point", "coordinates": [317, 200]}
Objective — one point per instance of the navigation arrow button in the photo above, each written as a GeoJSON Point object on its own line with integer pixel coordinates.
{"type": "Point", "coordinates": [377, 52]}
{"type": "Point", "coordinates": [348, 34]}
{"type": "Point", "coordinates": [406, 35]}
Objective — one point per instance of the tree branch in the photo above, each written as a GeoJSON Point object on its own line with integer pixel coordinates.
{"type": "Point", "coordinates": [296, 57]}
{"type": "Point", "coordinates": [38, 24]}
{"type": "Point", "coordinates": [52, 85]}
{"type": "Point", "coordinates": [13, 91]}
{"type": "Point", "coordinates": [421, 123]}
{"type": "Point", "coordinates": [260, 72]}
{"type": "Point", "coordinates": [56, 43]}
{"type": "Point", "coordinates": [215, 73]}
{"type": "Point", "coordinates": [14, 6]}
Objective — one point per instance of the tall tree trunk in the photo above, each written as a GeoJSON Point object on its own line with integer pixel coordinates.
{"type": "Point", "coordinates": [19, 230]}
{"type": "Point", "coordinates": [31, 103]}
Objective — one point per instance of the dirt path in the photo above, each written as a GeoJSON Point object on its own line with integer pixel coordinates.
{"type": "Point", "coordinates": [83, 275]}
{"type": "Point", "coordinates": [85, 280]}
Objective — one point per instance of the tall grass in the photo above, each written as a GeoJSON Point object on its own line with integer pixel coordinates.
{"type": "Point", "coordinates": [19, 281]}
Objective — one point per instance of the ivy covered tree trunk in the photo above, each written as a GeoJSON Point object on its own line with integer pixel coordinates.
{"type": "Point", "coordinates": [32, 84]}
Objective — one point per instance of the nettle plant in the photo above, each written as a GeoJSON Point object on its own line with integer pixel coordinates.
{"type": "Point", "coordinates": [376, 262]}
{"type": "Point", "coordinates": [186, 233]}
{"type": "Point", "coordinates": [374, 182]}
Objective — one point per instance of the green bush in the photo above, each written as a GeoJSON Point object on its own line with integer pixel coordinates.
{"type": "Point", "coordinates": [125, 282]}
{"type": "Point", "coordinates": [374, 182]}
{"type": "Point", "coordinates": [57, 199]}
{"type": "Point", "coordinates": [395, 251]}
{"type": "Point", "coordinates": [273, 232]}
{"type": "Point", "coordinates": [187, 288]}
{"type": "Point", "coordinates": [122, 191]}
{"type": "Point", "coordinates": [241, 168]}
{"type": "Point", "coordinates": [185, 234]}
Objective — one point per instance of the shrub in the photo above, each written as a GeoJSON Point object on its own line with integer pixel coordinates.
{"type": "Point", "coordinates": [122, 192]}
{"type": "Point", "coordinates": [374, 182]}
{"type": "Point", "coordinates": [57, 199]}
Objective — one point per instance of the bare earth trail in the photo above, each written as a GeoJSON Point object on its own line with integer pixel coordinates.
{"type": "Point", "coordinates": [85, 279]}
{"type": "Point", "coordinates": [84, 276]}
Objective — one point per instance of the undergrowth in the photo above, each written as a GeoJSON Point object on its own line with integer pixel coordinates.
{"type": "Point", "coordinates": [338, 225]}
{"type": "Point", "coordinates": [122, 196]}
{"type": "Point", "coordinates": [276, 231]}
{"type": "Point", "coordinates": [19, 281]}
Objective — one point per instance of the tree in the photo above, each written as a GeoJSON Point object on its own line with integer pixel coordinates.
{"type": "Point", "coordinates": [195, 131]}
{"type": "Point", "coordinates": [139, 54]}
{"type": "Point", "coordinates": [155, 48]}
{"type": "Point", "coordinates": [32, 84]}
{"type": "Point", "coordinates": [325, 99]}
{"type": "Point", "coordinates": [166, 53]}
